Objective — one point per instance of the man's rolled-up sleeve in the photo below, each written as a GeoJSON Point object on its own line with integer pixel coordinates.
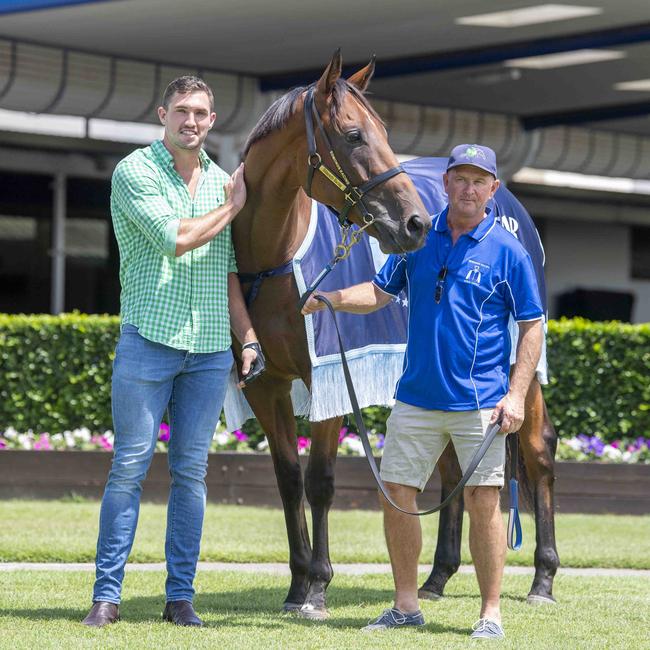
{"type": "Point", "coordinates": [136, 191]}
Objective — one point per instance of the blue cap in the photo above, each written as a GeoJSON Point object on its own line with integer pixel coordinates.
{"type": "Point", "coordinates": [473, 154]}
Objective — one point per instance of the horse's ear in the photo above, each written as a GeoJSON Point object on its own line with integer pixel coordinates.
{"type": "Point", "coordinates": [331, 74]}
{"type": "Point", "coordinates": [362, 78]}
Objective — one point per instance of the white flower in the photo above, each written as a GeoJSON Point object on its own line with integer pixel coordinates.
{"type": "Point", "coordinates": [10, 434]}
{"type": "Point", "coordinates": [354, 444]}
{"type": "Point", "coordinates": [612, 453]}
{"type": "Point", "coordinates": [573, 443]}
{"type": "Point", "coordinates": [222, 437]}
{"type": "Point", "coordinates": [69, 439]}
{"type": "Point", "coordinates": [25, 440]}
{"type": "Point", "coordinates": [263, 445]}
{"type": "Point", "coordinates": [83, 434]}
{"type": "Point", "coordinates": [57, 437]}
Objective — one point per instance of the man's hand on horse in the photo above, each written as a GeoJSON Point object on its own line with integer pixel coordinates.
{"type": "Point", "coordinates": [510, 409]}
{"type": "Point", "coordinates": [313, 304]}
{"type": "Point", "coordinates": [253, 362]}
{"type": "Point", "coordinates": [235, 189]}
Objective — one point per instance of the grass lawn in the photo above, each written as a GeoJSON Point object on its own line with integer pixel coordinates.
{"type": "Point", "coordinates": [43, 609]}
{"type": "Point", "coordinates": [66, 531]}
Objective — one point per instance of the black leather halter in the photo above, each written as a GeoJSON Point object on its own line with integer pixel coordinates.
{"type": "Point", "coordinates": [353, 193]}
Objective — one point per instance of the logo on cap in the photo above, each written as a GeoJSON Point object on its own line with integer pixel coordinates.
{"type": "Point", "coordinates": [473, 152]}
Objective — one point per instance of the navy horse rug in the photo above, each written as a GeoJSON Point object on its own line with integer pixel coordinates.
{"type": "Point", "coordinates": [374, 343]}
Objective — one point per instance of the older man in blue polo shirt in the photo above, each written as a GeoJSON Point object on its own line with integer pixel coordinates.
{"type": "Point", "coordinates": [462, 287]}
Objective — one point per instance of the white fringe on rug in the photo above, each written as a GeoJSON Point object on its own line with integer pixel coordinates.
{"type": "Point", "coordinates": [374, 376]}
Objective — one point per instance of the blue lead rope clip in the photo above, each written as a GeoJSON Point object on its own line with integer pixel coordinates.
{"type": "Point", "coordinates": [515, 536]}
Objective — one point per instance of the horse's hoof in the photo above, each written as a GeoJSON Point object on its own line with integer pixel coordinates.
{"type": "Point", "coordinates": [425, 594]}
{"type": "Point", "coordinates": [537, 599]}
{"type": "Point", "coordinates": [313, 613]}
{"type": "Point", "coordinates": [291, 608]}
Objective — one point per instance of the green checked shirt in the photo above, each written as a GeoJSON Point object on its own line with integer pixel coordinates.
{"type": "Point", "coordinates": [181, 301]}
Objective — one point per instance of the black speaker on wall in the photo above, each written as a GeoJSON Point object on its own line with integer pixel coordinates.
{"type": "Point", "coordinates": [596, 304]}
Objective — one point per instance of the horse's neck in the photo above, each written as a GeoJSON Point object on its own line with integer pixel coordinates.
{"type": "Point", "coordinates": [274, 221]}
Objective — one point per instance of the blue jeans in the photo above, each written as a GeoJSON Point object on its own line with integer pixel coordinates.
{"type": "Point", "coordinates": [149, 378]}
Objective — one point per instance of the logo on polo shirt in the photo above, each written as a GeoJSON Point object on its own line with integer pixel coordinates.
{"type": "Point", "coordinates": [475, 271]}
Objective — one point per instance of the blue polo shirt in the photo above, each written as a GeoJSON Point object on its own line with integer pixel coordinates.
{"type": "Point", "coordinates": [458, 350]}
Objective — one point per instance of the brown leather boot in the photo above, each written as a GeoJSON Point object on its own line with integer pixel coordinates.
{"type": "Point", "coordinates": [181, 612]}
{"type": "Point", "coordinates": [102, 613]}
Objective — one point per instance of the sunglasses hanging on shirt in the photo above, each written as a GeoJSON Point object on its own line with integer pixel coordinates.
{"type": "Point", "coordinates": [440, 284]}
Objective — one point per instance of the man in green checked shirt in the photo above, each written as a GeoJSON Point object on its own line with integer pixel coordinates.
{"type": "Point", "coordinates": [171, 208]}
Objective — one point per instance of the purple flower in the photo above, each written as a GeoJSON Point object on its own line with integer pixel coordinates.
{"type": "Point", "coordinates": [3, 443]}
{"type": "Point", "coordinates": [303, 442]}
{"type": "Point", "coordinates": [342, 433]}
{"type": "Point", "coordinates": [380, 441]}
{"type": "Point", "coordinates": [240, 435]}
{"type": "Point", "coordinates": [163, 433]}
{"type": "Point", "coordinates": [105, 443]}
{"type": "Point", "coordinates": [596, 446]}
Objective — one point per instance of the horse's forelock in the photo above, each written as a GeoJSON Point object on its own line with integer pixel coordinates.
{"type": "Point", "coordinates": [339, 92]}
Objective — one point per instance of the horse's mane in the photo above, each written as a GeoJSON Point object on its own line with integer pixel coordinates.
{"type": "Point", "coordinates": [281, 110]}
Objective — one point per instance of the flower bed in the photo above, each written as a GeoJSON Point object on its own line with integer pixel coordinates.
{"type": "Point", "coordinates": [581, 448]}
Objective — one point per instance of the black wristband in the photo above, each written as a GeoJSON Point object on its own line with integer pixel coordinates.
{"type": "Point", "coordinates": [257, 367]}
{"type": "Point", "coordinates": [253, 345]}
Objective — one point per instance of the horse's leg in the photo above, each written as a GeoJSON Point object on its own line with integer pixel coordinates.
{"type": "Point", "coordinates": [538, 444]}
{"type": "Point", "coordinates": [450, 528]}
{"type": "Point", "coordinates": [319, 488]}
{"type": "Point", "coordinates": [270, 400]}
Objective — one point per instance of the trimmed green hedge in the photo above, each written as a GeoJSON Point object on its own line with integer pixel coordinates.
{"type": "Point", "coordinates": [55, 375]}
{"type": "Point", "coordinates": [55, 371]}
{"type": "Point", "coordinates": [600, 378]}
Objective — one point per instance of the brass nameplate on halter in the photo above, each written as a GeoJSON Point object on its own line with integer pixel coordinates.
{"type": "Point", "coordinates": [332, 177]}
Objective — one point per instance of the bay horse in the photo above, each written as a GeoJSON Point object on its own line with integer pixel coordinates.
{"type": "Point", "coordinates": [280, 180]}
{"type": "Point", "coordinates": [279, 174]}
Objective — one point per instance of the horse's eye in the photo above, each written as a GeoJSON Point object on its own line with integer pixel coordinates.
{"type": "Point", "coordinates": [353, 137]}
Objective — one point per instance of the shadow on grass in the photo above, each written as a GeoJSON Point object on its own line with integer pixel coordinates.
{"type": "Point", "coordinates": [475, 594]}
{"type": "Point", "coordinates": [237, 608]}
{"type": "Point", "coordinates": [46, 613]}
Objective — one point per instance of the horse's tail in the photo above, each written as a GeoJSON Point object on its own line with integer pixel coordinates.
{"type": "Point", "coordinates": [525, 484]}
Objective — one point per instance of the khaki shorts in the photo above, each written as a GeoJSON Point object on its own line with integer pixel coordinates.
{"type": "Point", "coordinates": [416, 438]}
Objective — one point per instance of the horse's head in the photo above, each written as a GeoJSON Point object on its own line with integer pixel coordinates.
{"type": "Point", "coordinates": [361, 177]}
